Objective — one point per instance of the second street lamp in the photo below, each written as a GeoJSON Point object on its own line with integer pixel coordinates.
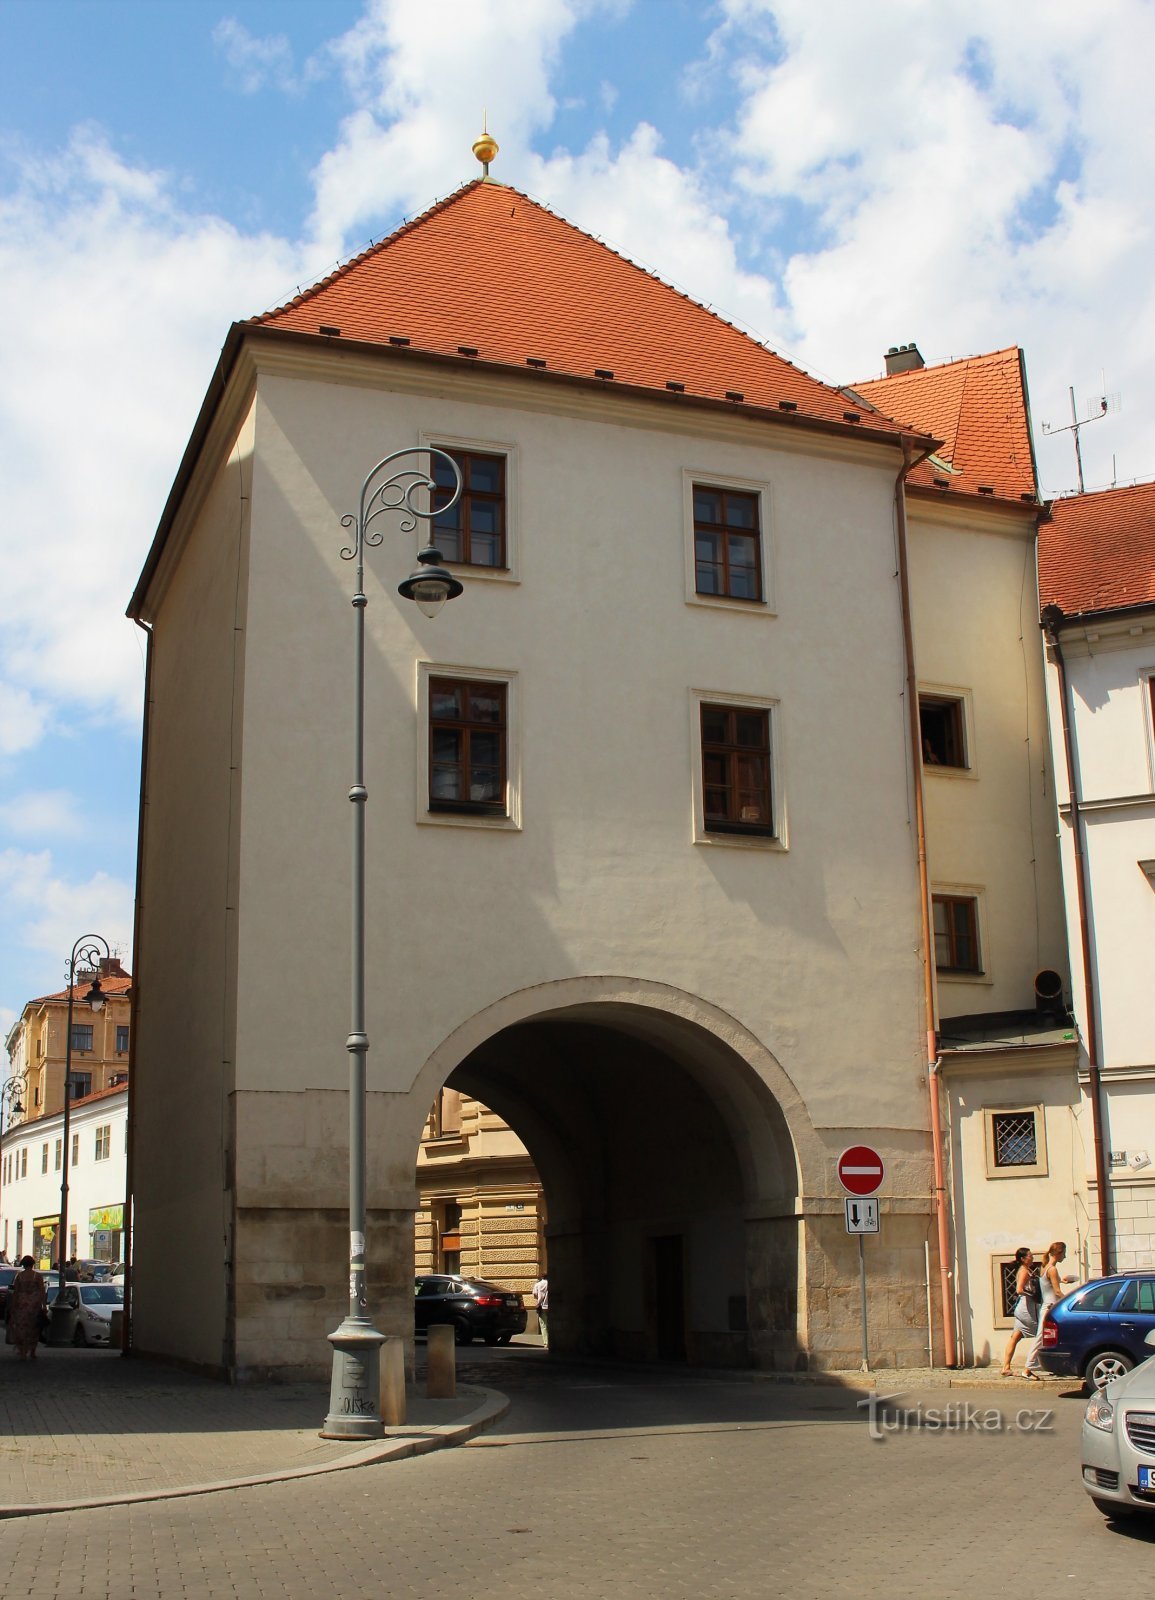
{"type": "Point", "coordinates": [354, 1395]}
{"type": "Point", "coordinates": [86, 955]}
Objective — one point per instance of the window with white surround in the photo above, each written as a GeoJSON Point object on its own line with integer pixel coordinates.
{"type": "Point", "coordinates": [103, 1141]}
{"type": "Point", "coordinates": [957, 916]}
{"type": "Point", "coordinates": [481, 531]}
{"type": "Point", "coordinates": [737, 783]}
{"type": "Point", "coordinates": [468, 747]}
{"type": "Point", "coordinates": [1016, 1141]}
{"type": "Point", "coordinates": [727, 542]}
{"type": "Point", "coordinates": [945, 725]}
{"type": "Point", "coordinates": [1147, 684]}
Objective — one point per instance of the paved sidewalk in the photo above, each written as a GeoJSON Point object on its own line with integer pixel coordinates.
{"type": "Point", "coordinates": [88, 1427]}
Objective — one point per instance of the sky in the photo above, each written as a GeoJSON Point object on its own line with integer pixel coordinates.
{"type": "Point", "coordinates": [835, 177]}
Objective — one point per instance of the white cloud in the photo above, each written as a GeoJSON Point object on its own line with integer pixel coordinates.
{"type": "Point", "coordinates": [50, 910]}
{"type": "Point", "coordinates": [22, 720]}
{"type": "Point", "coordinates": [256, 62]}
{"type": "Point", "coordinates": [42, 813]}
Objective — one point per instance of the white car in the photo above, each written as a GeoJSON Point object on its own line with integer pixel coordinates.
{"type": "Point", "coordinates": [1119, 1442]}
{"type": "Point", "coordinates": [91, 1305]}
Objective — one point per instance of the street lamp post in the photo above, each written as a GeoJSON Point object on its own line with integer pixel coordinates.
{"type": "Point", "coordinates": [354, 1395]}
{"type": "Point", "coordinates": [86, 954]}
{"type": "Point", "coordinates": [11, 1105]}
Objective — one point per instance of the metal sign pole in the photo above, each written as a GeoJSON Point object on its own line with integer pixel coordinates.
{"type": "Point", "coordinates": [862, 1287]}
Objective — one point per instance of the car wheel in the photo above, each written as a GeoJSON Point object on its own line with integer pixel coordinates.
{"type": "Point", "coordinates": [78, 1337]}
{"type": "Point", "coordinates": [462, 1333]}
{"type": "Point", "coordinates": [504, 1338]}
{"type": "Point", "coordinates": [1112, 1508]}
{"type": "Point", "coordinates": [1103, 1368]}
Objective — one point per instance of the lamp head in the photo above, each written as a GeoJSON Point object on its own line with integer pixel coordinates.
{"type": "Point", "coordinates": [95, 996]}
{"type": "Point", "coordinates": [430, 585]}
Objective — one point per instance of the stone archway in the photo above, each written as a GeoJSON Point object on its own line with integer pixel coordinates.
{"type": "Point", "coordinates": [672, 1148]}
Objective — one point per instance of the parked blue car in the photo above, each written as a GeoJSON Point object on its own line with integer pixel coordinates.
{"type": "Point", "coordinates": [1097, 1332]}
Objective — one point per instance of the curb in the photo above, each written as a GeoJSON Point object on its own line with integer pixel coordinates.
{"type": "Point", "coordinates": [399, 1447]}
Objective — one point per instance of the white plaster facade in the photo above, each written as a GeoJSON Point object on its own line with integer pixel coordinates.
{"type": "Point", "coordinates": [31, 1154]}
{"type": "Point", "coordinates": [1110, 662]}
{"type": "Point", "coordinates": [784, 976]}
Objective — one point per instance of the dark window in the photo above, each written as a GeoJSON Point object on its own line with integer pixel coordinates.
{"type": "Point", "coordinates": [727, 543]}
{"type": "Point", "coordinates": [467, 746]}
{"type": "Point", "coordinates": [1139, 1295]}
{"type": "Point", "coordinates": [1100, 1298]}
{"type": "Point", "coordinates": [736, 770]}
{"type": "Point", "coordinates": [943, 731]}
{"type": "Point", "coordinates": [472, 532]}
{"type": "Point", "coordinates": [956, 933]}
{"type": "Point", "coordinates": [1008, 1277]}
{"type": "Point", "coordinates": [80, 1085]}
{"type": "Point", "coordinates": [82, 1036]}
{"type": "Point", "coordinates": [122, 1039]}
{"type": "Point", "coordinates": [1015, 1138]}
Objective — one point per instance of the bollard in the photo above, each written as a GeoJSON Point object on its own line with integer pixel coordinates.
{"type": "Point", "coordinates": [393, 1383]}
{"type": "Point", "coordinates": [441, 1363]}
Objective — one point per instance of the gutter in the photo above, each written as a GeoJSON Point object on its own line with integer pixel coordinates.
{"type": "Point", "coordinates": [934, 1061]}
{"type": "Point", "coordinates": [1052, 620]}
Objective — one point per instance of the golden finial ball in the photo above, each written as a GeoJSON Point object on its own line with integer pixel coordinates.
{"type": "Point", "coordinates": [485, 148]}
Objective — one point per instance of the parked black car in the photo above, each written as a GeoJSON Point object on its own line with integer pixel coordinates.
{"type": "Point", "coordinates": [7, 1273]}
{"type": "Point", "coordinates": [1097, 1332]}
{"type": "Point", "coordinates": [475, 1308]}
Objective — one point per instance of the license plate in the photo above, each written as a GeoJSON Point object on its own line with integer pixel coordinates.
{"type": "Point", "coordinates": [1147, 1478]}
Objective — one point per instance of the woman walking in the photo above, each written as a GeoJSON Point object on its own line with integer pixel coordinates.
{"type": "Point", "coordinates": [1026, 1305]}
{"type": "Point", "coordinates": [1051, 1285]}
{"type": "Point", "coordinates": [27, 1307]}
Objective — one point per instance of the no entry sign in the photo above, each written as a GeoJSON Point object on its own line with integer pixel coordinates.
{"type": "Point", "coordinates": [860, 1170]}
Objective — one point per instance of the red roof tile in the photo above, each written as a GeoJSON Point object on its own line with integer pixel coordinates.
{"type": "Point", "coordinates": [979, 408]}
{"type": "Point", "coordinates": [1097, 551]}
{"type": "Point", "coordinates": [492, 275]}
{"type": "Point", "coordinates": [111, 988]}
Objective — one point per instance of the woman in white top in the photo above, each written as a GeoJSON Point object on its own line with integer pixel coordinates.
{"type": "Point", "coordinates": [1052, 1286]}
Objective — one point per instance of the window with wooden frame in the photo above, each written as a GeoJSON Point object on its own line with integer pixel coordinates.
{"type": "Point", "coordinates": [467, 746]}
{"type": "Point", "coordinates": [942, 721]}
{"type": "Point", "coordinates": [727, 543]}
{"type": "Point", "coordinates": [956, 933]}
{"type": "Point", "coordinates": [472, 532]}
{"type": "Point", "coordinates": [737, 780]}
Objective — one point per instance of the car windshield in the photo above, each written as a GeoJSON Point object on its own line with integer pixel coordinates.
{"type": "Point", "coordinates": [102, 1294]}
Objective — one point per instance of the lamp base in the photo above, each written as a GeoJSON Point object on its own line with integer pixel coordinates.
{"type": "Point", "coordinates": [355, 1392]}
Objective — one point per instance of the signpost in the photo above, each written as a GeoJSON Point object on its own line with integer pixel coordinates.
{"type": "Point", "coordinates": [860, 1172]}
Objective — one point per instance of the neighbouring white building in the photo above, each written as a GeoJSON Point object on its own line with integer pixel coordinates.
{"type": "Point", "coordinates": [643, 857]}
{"type": "Point", "coordinates": [31, 1163]}
{"type": "Point", "coordinates": [1097, 584]}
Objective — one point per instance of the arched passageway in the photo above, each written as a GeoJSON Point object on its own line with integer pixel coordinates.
{"type": "Point", "coordinates": [670, 1179]}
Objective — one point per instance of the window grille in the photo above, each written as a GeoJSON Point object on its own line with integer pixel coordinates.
{"type": "Point", "coordinates": [1015, 1139]}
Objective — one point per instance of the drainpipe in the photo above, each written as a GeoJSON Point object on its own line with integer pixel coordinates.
{"type": "Point", "coordinates": [934, 1062]}
{"type": "Point", "coordinates": [130, 1150]}
{"type": "Point", "coordinates": [1052, 622]}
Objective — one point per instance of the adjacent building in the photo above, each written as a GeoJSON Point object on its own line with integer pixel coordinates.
{"type": "Point", "coordinates": [1097, 584]}
{"type": "Point", "coordinates": [1004, 1038]}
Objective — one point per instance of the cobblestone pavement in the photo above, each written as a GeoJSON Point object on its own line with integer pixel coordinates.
{"type": "Point", "coordinates": [607, 1482]}
{"type": "Point", "coordinates": [82, 1424]}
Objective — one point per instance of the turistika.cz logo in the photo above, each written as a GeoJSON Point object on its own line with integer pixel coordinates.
{"type": "Point", "coordinates": [884, 1418]}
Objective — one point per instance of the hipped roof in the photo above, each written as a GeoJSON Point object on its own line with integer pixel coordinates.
{"type": "Point", "coordinates": [979, 408]}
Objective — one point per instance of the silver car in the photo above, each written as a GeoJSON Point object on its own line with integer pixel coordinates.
{"type": "Point", "coordinates": [1119, 1442]}
{"type": "Point", "coordinates": [89, 1307]}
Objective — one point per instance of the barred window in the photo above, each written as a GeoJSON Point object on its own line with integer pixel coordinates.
{"type": "Point", "coordinates": [1015, 1139]}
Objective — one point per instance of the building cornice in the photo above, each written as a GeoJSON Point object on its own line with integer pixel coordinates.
{"type": "Point", "coordinates": [974, 512]}
{"type": "Point", "coordinates": [1096, 633]}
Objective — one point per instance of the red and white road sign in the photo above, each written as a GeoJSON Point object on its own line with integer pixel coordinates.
{"type": "Point", "coordinates": [860, 1170]}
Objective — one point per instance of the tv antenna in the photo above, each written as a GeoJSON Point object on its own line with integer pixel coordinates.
{"type": "Point", "coordinates": [1097, 409]}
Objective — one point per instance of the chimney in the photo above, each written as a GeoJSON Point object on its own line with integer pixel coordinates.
{"type": "Point", "coordinates": [903, 358]}
{"type": "Point", "coordinates": [110, 967]}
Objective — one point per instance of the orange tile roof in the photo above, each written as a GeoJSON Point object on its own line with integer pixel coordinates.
{"type": "Point", "coordinates": [111, 988]}
{"type": "Point", "coordinates": [1097, 551]}
{"type": "Point", "coordinates": [491, 275]}
{"type": "Point", "coordinates": [979, 408]}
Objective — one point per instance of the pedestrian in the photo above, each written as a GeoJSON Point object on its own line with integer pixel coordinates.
{"type": "Point", "coordinates": [1051, 1287]}
{"type": "Point", "coordinates": [27, 1309]}
{"type": "Point", "coordinates": [541, 1301]}
{"type": "Point", "coordinates": [72, 1270]}
{"type": "Point", "coordinates": [1027, 1296]}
